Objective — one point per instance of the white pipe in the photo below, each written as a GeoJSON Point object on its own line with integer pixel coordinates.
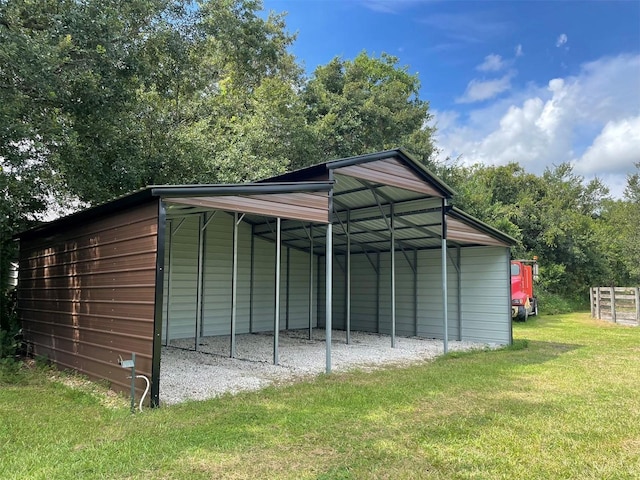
{"type": "Point", "coordinates": [146, 390]}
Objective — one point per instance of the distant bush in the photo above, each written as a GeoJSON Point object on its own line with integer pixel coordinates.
{"type": "Point", "coordinates": [9, 327]}
{"type": "Point", "coordinates": [553, 303]}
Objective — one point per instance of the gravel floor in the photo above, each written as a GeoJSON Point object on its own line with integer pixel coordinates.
{"type": "Point", "coordinates": [190, 375]}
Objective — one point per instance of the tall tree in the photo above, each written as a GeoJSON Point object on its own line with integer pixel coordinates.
{"type": "Point", "coordinates": [364, 105]}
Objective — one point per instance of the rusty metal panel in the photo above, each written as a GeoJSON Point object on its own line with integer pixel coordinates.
{"type": "Point", "coordinates": [86, 293]}
{"type": "Point", "coordinates": [390, 172]}
{"type": "Point", "coordinates": [309, 206]}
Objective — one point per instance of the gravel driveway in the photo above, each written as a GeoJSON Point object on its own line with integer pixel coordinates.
{"type": "Point", "coordinates": [190, 375]}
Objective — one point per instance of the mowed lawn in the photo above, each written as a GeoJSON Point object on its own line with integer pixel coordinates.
{"type": "Point", "coordinates": [563, 403]}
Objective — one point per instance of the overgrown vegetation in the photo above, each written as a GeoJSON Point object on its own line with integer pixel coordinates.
{"type": "Point", "coordinates": [561, 403]}
{"type": "Point", "coordinates": [102, 97]}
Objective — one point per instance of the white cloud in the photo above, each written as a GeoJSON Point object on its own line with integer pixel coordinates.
{"type": "Point", "coordinates": [562, 39]}
{"type": "Point", "coordinates": [518, 50]}
{"type": "Point", "coordinates": [591, 119]}
{"type": "Point", "coordinates": [617, 147]}
{"type": "Point", "coordinates": [479, 90]}
{"type": "Point", "coordinates": [492, 63]}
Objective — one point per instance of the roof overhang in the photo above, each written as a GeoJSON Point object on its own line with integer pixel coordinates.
{"type": "Point", "coordinates": [364, 196]}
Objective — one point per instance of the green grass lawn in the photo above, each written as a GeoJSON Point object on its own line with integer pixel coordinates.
{"type": "Point", "coordinates": [564, 402]}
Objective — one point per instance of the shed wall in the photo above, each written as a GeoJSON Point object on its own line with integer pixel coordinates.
{"type": "Point", "coordinates": [256, 288]}
{"type": "Point", "coordinates": [87, 294]}
{"type": "Point", "coordinates": [484, 294]}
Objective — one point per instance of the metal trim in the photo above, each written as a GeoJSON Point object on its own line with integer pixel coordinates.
{"type": "Point", "coordinates": [238, 189]}
{"type": "Point", "coordinates": [157, 320]}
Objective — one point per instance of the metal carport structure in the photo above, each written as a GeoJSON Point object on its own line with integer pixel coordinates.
{"type": "Point", "coordinates": [94, 285]}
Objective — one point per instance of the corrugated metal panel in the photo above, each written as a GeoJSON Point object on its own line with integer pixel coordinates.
{"type": "Point", "coordinates": [183, 274]}
{"type": "Point", "coordinates": [405, 324]}
{"type": "Point", "coordinates": [363, 294]}
{"type": "Point", "coordinates": [337, 292]}
{"type": "Point", "coordinates": [298, 303]}
{"type": "Point", "coordinates": [486, 294]}
{"type": "Point", "coordinates": [87, 293]}
{"type": "Point", "coordinates": [264, 274]}
{"type": "Point", "coordinates": [430, 308]}
{"type": "Point", "coordinates": [218, 264]}
{"type": "Point", "coordinates": [390, 172]}
{"type": "Point", "coordinates": [466, 234]}
{"type": "Point", "coordinates": [313, 206]}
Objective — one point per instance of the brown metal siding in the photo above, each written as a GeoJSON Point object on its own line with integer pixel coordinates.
{"type": "Point", "coordinates": [312, 206]}
{"type": "Point", "coordinates": [461, 232]}
{"type": "Point", "coordinates": [390, 172]}
{"type": "Point", "coordinates": [86, 294]}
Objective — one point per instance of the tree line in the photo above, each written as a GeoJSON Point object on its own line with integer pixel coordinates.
{"type": "Point", "coordinates": [101, 97]}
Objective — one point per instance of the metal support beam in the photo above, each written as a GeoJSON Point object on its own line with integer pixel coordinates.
{"type": "Point", "coordinates": [276, 320]}
{"type": "Point", "coordinates": [251, 277]}
{"type": "Point", "coordinates": [348, 286]}
{"type": "Point", "coordinates": [378, 292]}
{"type": "Point", "coordinates": [393, 279]}
{"type": "Point", "coordinates": [445, 297]}
{"type": "Point", "coordinates": [459, 295]}
{"type": "Point", "coordinates": [328, 294]}
{"type": "Point", "coordinates": [311, 257]}
{"type": "Point", "coordinates": [287, 289]}
{"type": "Point", "coordinates": [199, 280]}
{"type": "Point", "coordinates": [168, 273]}
{"type": "Point", "coordinates": [415, 293]}
{"type": "Point", "coordinates": [234, 286]}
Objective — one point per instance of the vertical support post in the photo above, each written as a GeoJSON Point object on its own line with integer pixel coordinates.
{"type": "Point", "coordinates": [287, 289]}
{"type": "Point", "coordinates": [591, 305]}
{"type": "Point", "coordinates": [328, 293]}
{"type": "Point", "coordinates": [234, 286]}
{"type": "Point", "coordinates": [637, 295]}
{"type": "Point", "coordinates": [598, 303]}
{"type": "Point", "coordinates": [445, 296]}
{"type": "Point", "coordinates": [377, 292]}
{"type": "Point", "coordinates": [415, 292]}
{"type": "Point", "coordinates": [348, 302]}
{"type": "Point", "coordinates": [168, 273]}
{"type": "Point", "coordinates": [251, 279]}
{"type": "Point", "coordinates": [393, 277]}
{"type": "Point", "coordinates": [311, 257]}
{"type": "Point", "coordinates": [459, 273]}
{"type": "Point", "coordinates": [613, 304]}
{"type": "Point", "coordinates": [200, 280]}
{"type": "Point", "coordinates": [157, 317]}
{"type": "Point", "coordinates": [276, 320]}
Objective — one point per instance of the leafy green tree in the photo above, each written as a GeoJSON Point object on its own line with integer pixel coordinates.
{"type": "Point", "coordinates": [364, 105]}
{"type": "Point", "coordinates": [555, 216]}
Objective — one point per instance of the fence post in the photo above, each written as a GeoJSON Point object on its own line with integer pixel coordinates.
{"type": "Point", "coordinates": [638, 305]}
{"type": "Point", "coordinates": [591, 302]}
{"type": "Point", "coordinates": [613, 305]}
{"type": "Point", "coordinates": [598, 303]}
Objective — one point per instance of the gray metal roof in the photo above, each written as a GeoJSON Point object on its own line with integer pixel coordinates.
{"type": "Point", "coordinates": [357, 193]}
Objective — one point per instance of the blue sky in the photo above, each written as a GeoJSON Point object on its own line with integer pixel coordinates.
{"type": "Point", "coordinates": [537, 82]}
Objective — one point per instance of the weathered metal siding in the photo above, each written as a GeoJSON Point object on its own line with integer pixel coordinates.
{"type": "Point", "coordinates": [86, 293]}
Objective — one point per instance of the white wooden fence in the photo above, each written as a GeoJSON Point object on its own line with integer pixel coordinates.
{"type": "Point", "coordinates": [616, 304]}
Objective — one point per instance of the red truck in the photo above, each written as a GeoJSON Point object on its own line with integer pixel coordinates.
{"type": "Point", "coordinates": [523, 301]}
